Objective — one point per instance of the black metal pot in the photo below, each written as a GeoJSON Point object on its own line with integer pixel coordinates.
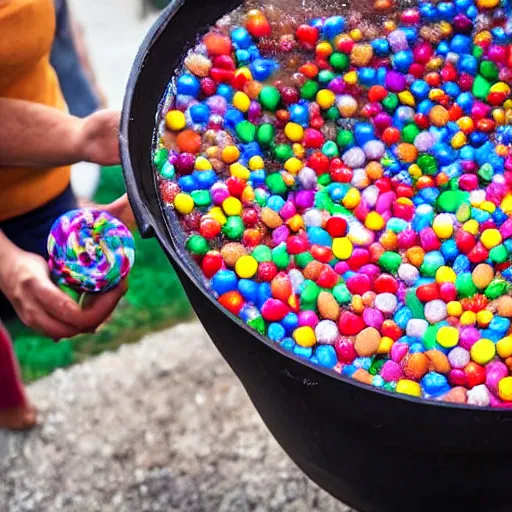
{"type": "Point", "coordinates": [371, 450]}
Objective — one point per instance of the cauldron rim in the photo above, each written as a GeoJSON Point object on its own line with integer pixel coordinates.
{"type": "Point", "coordinates": [149, 227]}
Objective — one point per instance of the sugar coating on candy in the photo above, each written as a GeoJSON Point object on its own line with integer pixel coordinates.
{"type": "Point", "coordinates": [90, 251]}
{"type": "Point", "coordinates": [345, 186]}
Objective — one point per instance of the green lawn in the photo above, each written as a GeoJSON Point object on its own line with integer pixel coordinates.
{"type": "Point", "coordinates": [155, 300]}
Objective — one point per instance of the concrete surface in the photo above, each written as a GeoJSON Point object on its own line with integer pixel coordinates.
{"type": "Point", "coordinates": [162, 425]}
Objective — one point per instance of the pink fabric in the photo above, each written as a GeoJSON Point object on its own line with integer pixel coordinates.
{"type": "Point", "coordinates": [11, 387]}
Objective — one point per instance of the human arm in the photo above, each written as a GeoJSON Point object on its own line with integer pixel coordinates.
{"type": "Point", "coordinates": [35, 135]}
{"type": "Point", "coordinates": [25, 281]}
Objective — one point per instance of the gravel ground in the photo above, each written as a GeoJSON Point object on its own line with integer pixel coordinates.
{"type": "Point", "coordinates": [160, 425]}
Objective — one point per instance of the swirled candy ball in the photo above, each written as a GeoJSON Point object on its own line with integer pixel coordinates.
{"type": "Point", "coordinates": [90, 251]}
{"type": "Point", "coordinates": [345, 186]}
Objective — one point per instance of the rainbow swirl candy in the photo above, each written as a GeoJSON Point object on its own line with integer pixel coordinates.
{"type": "Point", "coordinates": [90, 251]}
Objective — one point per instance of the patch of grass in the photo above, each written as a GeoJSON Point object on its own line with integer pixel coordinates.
{"type": "Point", "coordinates": [154, 301]}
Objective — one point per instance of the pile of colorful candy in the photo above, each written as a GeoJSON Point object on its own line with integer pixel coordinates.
{"type": "Point", "coordinates": [90, 251]}
{"type": "Point", "coordinates": [346, 187]}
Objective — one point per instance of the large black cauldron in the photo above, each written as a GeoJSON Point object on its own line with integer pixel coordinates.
{"type": "Point", "coordinates": [371, 450]}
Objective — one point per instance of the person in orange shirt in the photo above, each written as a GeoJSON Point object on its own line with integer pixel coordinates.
{"type": "Point", "coordinates": [39, 141]}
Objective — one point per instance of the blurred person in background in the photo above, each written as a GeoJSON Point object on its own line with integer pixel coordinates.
{"type": "Point", "coordinates": [70, 59]}
{"type": "Point", "coordinates": [39, 141]}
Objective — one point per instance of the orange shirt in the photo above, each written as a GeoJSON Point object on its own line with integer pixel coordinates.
{"type": "Point", "coordinates": [27, 29]}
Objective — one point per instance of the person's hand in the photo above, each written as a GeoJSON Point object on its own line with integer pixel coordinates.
{"type": "Point", "coordinates": [25, 281]}
{"type": "Point", "coordinates": [98, 137]}
{"type": "Point", "coordinates": [121, 209]}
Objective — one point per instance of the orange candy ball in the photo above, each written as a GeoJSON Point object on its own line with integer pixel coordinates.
{"type": "Point", "coordinates": [257, 24]}
{"type": "Point", "coordinates": [232, 301]}
{"type": "Point", "coordinates": [189, 142]}
{"type": "Point", "coordinates": [439, 116]}
{"type": "Point", "coordinates": [407, 152]}
{"type": "Point", "coordinates": [217, 44]}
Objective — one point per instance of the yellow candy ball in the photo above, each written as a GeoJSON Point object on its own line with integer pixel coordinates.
{"type": "Point", "coordinates": [468, 318]}
{"type": "Point", "coordinates": [445, 275]}
{"type": "Point", "coordinates": [294, 132]}
{"type": "Point", "coordinates": [406, 98]}
{"type": "Point", "coordinates": [237, 170]}
{"type": "Point", "coordinates": [342, 248]}
{"type": "Point", "coordinates": [504, 347]}
{"type": "Point", "coordinates": [501, 87]}
{"type": "Point", "coordinates": [217, 213]}
{"type": "Point", "coordinates": [415, 171]}
{"type": "Point", "coordinates": [374, 221]}
{"type": "Point", "coordinates": [485, 36]}
{"type": "Point", "coordinates": [498, 114]}
{"type": "Point", "coordinates": [298, 150]}
{"type": "Point", "coordinates": [324, 48]}
{"type": "Point", "coordinates": [256, 163]}
{"type": "Point", "coordinates": [506, 204]}
{"type": "Point", "coordinates": [484, 317]}
{"type": "Point", "coordinates": [246, 267]}
{"type": "Point", "coordinates": [304, 336]}
{"type": "Point", "coordinates": [241, 101]}
{"type": "Point", "coordinates": [488, 4]}
{"type": "Point", "coordinates": [203, 164]}
{"type": "Point", "coordinates": [443, 226]}
{"type": "Point", "coordinates": [350, 78]}
{"type": "Point", "coordinates": [230, 154]}
{"type": "Point", "coordinates": [459, 140]}
{"type": "Point", "coordinates": [488, 206]}
{"type": "Point", "coordinates": [483, 351]}
{"type": "Point", "coordinates": [175, 120]}
{"type": "Point", "coordinates": [491, 238]}
{"type": "Point", "coordinates": [447, 336]}
{"type": "Point", "coordinates": [293, 165]}
{"type": "Point", "coordinates": [505, 389]}
{"type": "Point", "coordinates": [248, 194]}
{"type": "Point", "coordinates": [408, 387]}
{"type": "Point", "coordinates": [356, 34]}
{"type": "Point", "coordinates": [385, 345]}
{"type": "Point", "coordinates": [232, 206]}
{"type": "Point", "coordinates": [295, 223]}
{"type": "Point", "coordinates": [183, 203]}
{"type": "Point", "coordinates": [325, 98]}
{"type": "Point", "coordinates": [454, 308]}
{"type": "Point", "coordinates": [352, 198]}
{"type": "Point", "coordinates": [436, 94]}
{"type": "Point", "coordinates": [471, 226]}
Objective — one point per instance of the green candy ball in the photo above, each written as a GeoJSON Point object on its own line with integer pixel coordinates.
{"type": "Point", "coordinates": [246, 131]}
{"type": "Point", "coordinates": [197, 245]}
{"type": "Point", "coordinates": [233, 228]}
{"type": "Point", "coordinates": [269, 98]}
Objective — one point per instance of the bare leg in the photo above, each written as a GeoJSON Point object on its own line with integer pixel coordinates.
{"type": "Point", "coordinates": [16, 412]}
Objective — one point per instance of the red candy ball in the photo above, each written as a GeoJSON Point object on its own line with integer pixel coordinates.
{"type": "Point", "coordinates": [307, 34]}
{"type": "Point", "coordinates": [211, 264]}
{"type": "Point", "coordinates": [267, 271]}
{"type": "Point", "coordinates": [359, 284]}
{"type": "Point", "coordinates": [350, 324]}
{"type": "Point", "coordinates": [385, 283]}
{"type": "Point", "coordinates": [475, 374]}
{"type": "Point", "coordinates": [336, 227]}
{"type": "Point", "coordinates": [209, 227]}
{"type": "Point", "coordinates": [319, 162]}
